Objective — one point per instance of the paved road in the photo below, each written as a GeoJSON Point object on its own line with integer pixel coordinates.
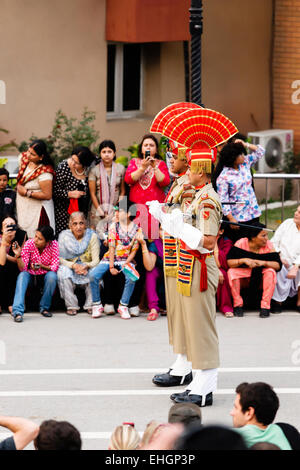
{"type": "Point", "coordinates": [96, 373]}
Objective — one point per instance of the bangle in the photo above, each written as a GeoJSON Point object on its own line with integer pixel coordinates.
{"type": "Point", "coordinates": [145, 251]}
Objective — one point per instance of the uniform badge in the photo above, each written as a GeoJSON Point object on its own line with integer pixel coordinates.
{"type": "Point", "coordinates": [206, 215]}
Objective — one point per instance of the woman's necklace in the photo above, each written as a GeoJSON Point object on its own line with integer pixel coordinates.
{"type": "Point", "coordinates": [79, 174]}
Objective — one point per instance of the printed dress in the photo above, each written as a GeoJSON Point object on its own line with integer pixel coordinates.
{"type": "Point", "coordinates": [65, 182]}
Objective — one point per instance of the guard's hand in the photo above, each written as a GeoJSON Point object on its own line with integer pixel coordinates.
{"type": "Point", "coordinates": [155, 210]}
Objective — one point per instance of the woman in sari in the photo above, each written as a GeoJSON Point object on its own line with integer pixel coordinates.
{"type": "Point", "coordinates": [253, 263]}
{"type": "Point", "coordinates": [34, 189]}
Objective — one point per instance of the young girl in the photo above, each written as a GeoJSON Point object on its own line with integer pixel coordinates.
{"type": "Point", "coordinates": [123, 246]}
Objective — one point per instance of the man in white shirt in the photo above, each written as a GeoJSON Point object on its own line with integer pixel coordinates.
{"type": "Point", "coordinates": [286, 241]}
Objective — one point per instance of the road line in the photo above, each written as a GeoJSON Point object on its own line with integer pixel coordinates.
{"type": "Point", "coordinates": [136, 371]}
{"type": "Point", "coordinates": [95, 393]}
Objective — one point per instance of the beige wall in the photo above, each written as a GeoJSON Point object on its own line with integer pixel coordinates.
{"type": "Point", "coordinates": [53, 55]}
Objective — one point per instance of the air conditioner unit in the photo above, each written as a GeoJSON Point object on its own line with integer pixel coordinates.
{"type": "Point", "coordinates": [277, 142]}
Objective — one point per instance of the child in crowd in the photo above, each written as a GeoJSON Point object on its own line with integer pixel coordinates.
{"type": "Point", "coordinates": [7, 196]}
{"type": "Point", "coordinates": [123, 246]}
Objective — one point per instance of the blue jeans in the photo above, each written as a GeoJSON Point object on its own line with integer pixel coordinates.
{"type": "Point", "coordinates": [97, 273]}
{"type": "Point", "coordinates": [23, 281]}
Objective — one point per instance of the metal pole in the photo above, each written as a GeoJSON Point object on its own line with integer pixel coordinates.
{"type": "Point", "coordinates": [196, 28]}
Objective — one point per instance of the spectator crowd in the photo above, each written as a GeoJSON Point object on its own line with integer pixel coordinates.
{"type": "Point", "coordinates": [81, 233]}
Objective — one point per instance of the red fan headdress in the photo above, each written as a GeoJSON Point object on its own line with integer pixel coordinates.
{"type": "Point", "coordinates": [200, 130]}
{"type": "Point", "coordinates": [161, 119]}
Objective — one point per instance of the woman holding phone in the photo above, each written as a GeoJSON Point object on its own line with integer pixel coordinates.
{"type": "Point", "coordinates": [38, 262]}
{"type": "Point", "coordinates": [147, 177]}
{"type": "Point", "coordinates": [11, 237]}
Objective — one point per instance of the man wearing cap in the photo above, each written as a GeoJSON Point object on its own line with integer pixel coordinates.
{"type": "Point", "coordinates": [195, 337]}
{"type": "Point", "coordinates": [181, 193]}
{"type": "Point", "coordinates": [196, 226]}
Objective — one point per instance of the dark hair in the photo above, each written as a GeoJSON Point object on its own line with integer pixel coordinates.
{"type": "Point", "coordinates": [185, 413]}
{"type": "Point", "coordinates": [47, 232]}
{"type": "Point", "coordinates": [128, 207]}
{"type": "Point", "coordinates": [40, 148]}
{"type": "Point", "coordinates": [253, 232]}
{"type": "Point", "coordinates": [148, 136]}
{"type": "Point", "coordinates": [264, 446]}
{"type": "Point", "coordinates": [107, 143]}
{"type": "Point", "coordinates": [57, 435]}
{"type": "Point", "coordinates": [227, 157]}
{"type": "Point", "coordinates": [212, 437]}
{"type": "Point", "coordinates": [3, 171]}
{"type": "Point", "coordinates": [6, 216]}
{"type": "Point", "coordinates": [262, 398]}
{"type": "Point", "coordinates": [84, 154]}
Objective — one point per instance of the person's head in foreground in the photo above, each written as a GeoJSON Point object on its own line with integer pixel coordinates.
{"type": "Point", "coordinates": [210, 437]}
{"type": "Point", "coordinates": [57, 435]}
{"type": "Point", "coordinates": [255, 403]}
{"type": "Point", "coordinates": [124, 437]}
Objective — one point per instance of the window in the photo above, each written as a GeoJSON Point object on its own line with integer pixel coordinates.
{"type": "Point", "coordinates": [124, 80]}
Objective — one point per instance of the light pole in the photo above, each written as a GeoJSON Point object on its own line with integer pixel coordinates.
{"type": "Point", "coordinates": [196, 28]}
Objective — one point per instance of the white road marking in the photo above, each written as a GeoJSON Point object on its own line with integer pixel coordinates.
{"type": "Point", "coordinates": [95, 393]}
{"type": "Point", "coordinates": [136, 371]}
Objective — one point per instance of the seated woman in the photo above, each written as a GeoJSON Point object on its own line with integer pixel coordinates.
{"type": "Point", "coordinates": [79, 250]}
{"type": "Point", "coordinates": [253, 262]}
{"type": "Point", "coordinates": [123, 246]}
{"type": "Point", "coordinates": [39, 262]}
{"type": "Point", "coordinates": [153, 262]}
{"type": "Point", "coordinates": [10, 236]}
{"type": "Point", "coordinates": [224, 298]}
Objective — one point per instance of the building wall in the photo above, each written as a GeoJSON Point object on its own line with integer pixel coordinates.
{"type": "Point", "coordinates": [53, 56]}
{"type": "Point", "coordinates": [286, 65]}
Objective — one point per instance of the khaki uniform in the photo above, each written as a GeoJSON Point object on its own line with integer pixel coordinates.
{"type": "Point", "coordinates": [180, 193]}
{"type": "Point", "coordinates": [194, 326]}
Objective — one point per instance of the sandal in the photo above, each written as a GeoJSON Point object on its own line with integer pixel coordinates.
{"type": "Point", "coordinates": [18, 318]}
{"type": "Point", "coordinates": [47, 314]}
{"type": "Point", "coordinates": [71, 312]}
{"type": "Point", "coordinates": [228, 314]}
{"type": "Point", "coordinates": [153, 315]}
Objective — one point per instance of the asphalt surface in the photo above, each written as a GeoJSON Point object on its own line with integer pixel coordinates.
{"type": "Point", "coordinates": [96, 373]}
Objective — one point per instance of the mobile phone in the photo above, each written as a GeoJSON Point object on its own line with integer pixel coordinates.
{"type": "Point", "coordinates": [11, 227]}
{"type": "Point", "coordinates": [36, 265]}
{"type": "Point", "coordinates": [147, 153]}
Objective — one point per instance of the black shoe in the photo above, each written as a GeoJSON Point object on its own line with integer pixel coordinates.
{"type": "Point", "coordinates": [197, 399]}
{"type": "Point", "coordinates": [264, 312]}
{"type": "Point", "coordinates": [175, 395]}
{"type": "Point", "coordinates": [47, 314]}
{"type": "Point", "coordinates": [238, 311]}
{"type": "Point", "coordinates": [167, 380]}
{"type": "Point", "coordinates": [18, 318]}
{"type": "Point", "coordinates": [275, 307]}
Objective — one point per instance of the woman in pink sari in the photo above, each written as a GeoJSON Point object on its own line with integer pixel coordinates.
{"type": "Point", "coordinates": [253, 263]}
{"type": "Point", "coordinates": [147, 177]}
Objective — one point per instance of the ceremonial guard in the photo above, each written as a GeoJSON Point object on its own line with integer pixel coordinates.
{"type": "Point", "coordinates": [193, 331]}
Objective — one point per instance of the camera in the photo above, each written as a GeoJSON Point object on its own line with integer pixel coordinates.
{"type": "Point", "coordinates": [11, 227]}
{"type": "Point", "coordinates": [147, 153]}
